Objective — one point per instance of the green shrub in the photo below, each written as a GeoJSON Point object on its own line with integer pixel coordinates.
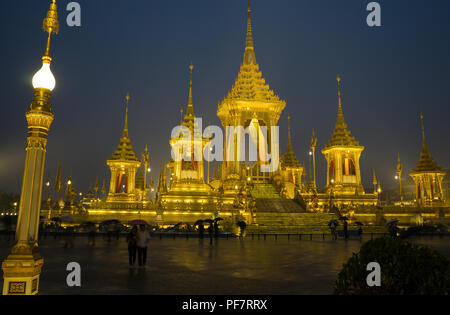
{"type": "Point", "coordinates": [405, 269]}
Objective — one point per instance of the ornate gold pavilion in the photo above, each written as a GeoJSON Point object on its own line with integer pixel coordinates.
{"type": "Point", "coordinates": [240, 188]}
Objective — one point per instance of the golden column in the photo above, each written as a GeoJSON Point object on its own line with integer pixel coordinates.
{"type": "Point", "coordinates": [146, 161]}
{"type": "Point", "coordinates": [313, 150]}
{"type": "Point", "coordinates": [399, 177]}
{"type": "Point", "coordinates": [22, 267]}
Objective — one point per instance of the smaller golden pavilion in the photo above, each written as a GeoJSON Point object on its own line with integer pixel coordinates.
{"type": "Point", "coordinates": [187, 192]}
{"type": "Point", "coordinates": [428, 177]}
{"type": "Point", "coordinates": [342, 153]}
{"type": "Point", "coordinates": [291, 170]}
{"type": "Point", "coordinates": [123, 165]}
{"type": "Point", "coordinates": [343, 185]}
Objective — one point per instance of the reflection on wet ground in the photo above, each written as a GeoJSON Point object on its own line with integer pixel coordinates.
{"type": "Point", "coordinates": [193, 266]}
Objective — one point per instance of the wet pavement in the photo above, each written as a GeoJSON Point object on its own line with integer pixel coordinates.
{"type": "Point", "coordinates": [194, 267]}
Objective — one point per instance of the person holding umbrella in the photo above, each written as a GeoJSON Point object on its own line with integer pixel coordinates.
{"type": "Point", "coordinates": [132, 245]}
{"type": "Point", "coordinates": [360, 230]}
{"type": "Point", "coordinates": [393, 228]}
{"type": "Point", "coordinates": [242, 225]}
{"type": "Point", "coordinates": [345, 226]}
{"type": "Point", "coordinates": [210, 229]}
{"type": "Point", "coordinates": [142, 238]}
{"type": "Point", "coordinates": [216, 227]}
{"type": "Point", "coordinates": [201, 228]}
{"type": "Point", "coordinates": [333, 224]}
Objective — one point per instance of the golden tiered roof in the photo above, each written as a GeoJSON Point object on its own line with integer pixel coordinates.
{"type": "Point", "coordinates": [426, 163]}
{"type": "Point", "coordinates": [289, 159]}
{"type": "Point", "coordinates": [124, 151]}
{"type": "Point", "coordinates": [341, 135]}
{"type": "Point", "coordinates": [250, 84]}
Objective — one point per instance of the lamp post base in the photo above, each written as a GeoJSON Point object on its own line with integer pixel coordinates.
{"type": "Point", "coordinates": [21, 270]}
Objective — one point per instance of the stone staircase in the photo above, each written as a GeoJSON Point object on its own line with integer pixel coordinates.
{"type": "Point", "coordinates": [283, 216]}
{"type": "Point", "coordinates": [279, 206]}
{"type": "Point", "coordinates": [289, 222]}
{"type": "Point", "coordinates": [265, 191]}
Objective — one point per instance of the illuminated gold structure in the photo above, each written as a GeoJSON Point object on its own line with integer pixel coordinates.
{"type": "Point", "coordinates": [428, 177]}
{"type": "Point", "coordinates": [187, 188]}
{"type": "Point", "coordinates": [291, 169]}
{"type": "Point", "coordinates": [22, 268]}
{"type": "Point", "coordinates": [342, 153]}
{"type": "Point", "coordinates": [249, 103]}
{"type": "Point", "coordinates": [123, 164]}
{"type": "Point", "coordinates": [141, 184]}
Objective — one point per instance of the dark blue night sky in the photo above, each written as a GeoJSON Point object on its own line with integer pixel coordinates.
{"type": "Point", "coordinates": [389, 75]}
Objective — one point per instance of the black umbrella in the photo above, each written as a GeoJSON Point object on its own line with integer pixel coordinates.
{"type": "Point", "coordinates": [333, 222]}
{"type": "Point", "coordinates": [198, 222]}
{"type": "Point", "coordinates": [359, 223]}
{"type": "Point", "coordinates": [218, 219]}
{"type": "Point", "coordinates": [241, 224]}
{"type": "Point", "coordinates": [343, 218]}
{"type": "Point", "coordinates": [111, 222]}
{"type": "Point", "coordinates": [392, 221]}
{"type": "Point", "coordinates": [208, 221]}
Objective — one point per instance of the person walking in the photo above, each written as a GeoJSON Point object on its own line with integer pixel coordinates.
{"type": "Point", "coordinates": [91, 235]}
{"type": "Point", "coordinates": [345, 229]}
{"type": "Point", "coordinates": [216, 229]}
{"type": "Point", "coordinates": [333, 231]}
{"type": "Point", "coordinates": [201, 230]}
{"type": "Point", "coordinates": [210, 232]}
{"type": "Point", "coordinates": [68, 237]}
{"type": "Point", "coordinates": [142, 238]}
{"type": "Point", "coordinates": [132, 245]}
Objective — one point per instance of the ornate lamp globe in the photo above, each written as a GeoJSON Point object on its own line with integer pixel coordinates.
{"type": "Point", "coordinates": [44, 79]}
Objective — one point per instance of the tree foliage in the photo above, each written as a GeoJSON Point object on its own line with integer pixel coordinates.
{"type": "Point", "coordinates": [406, 269]}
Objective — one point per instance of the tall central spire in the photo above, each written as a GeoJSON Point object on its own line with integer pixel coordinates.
{"type": "Point", "coordinates": [426, 161]}
{"type": "Point", "coordinates": [289, 133]}
{"type": "Point", "coordinates": [341, 135]}
{"type": "Point", "coordinates": [249, 55]}
{"type": "Point", "coordinates": [424, 142]}
{"type": "Point", "coordinates": [190, 108]}
{"type": "Point", "coordinates": [340, 116]}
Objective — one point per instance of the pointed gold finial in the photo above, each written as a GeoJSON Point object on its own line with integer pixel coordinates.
{"type": "Point", "coordinates": [125, 129]}
{"type": "Point", "coordinates": [191, 67]}
{"type": "Point", "coordinates": [313, 140]}
{"type": "Point", "coordinates": [424, 142]}
{"type": "Point", "coordinates": [51, 26]}
{"type": "Point", "coordinates": [249, 55]}
{"type": "Point", "coordinates": [340, 118]}
{"type": "Point", "coordinates": [289, 130]}
{"type": "Point", "coordinates": [249, 40]}
{"type": "Point", "coordinates": [375, 182]}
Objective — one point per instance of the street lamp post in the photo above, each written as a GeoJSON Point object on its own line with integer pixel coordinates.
{"type": "Point", "coordinates": [22, 268]}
